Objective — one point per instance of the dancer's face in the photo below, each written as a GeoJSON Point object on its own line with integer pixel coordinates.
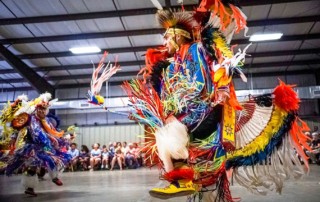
{"type": "Point", "coordinates": [168, 41]}
{"type": "Point", "coordinates": [41, 112]}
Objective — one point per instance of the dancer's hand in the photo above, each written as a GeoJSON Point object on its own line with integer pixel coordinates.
{"type": "Point", "coordinates": [221, 97]}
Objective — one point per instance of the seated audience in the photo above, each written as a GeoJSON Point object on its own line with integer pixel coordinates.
{"type": "Point", "coordinates": [315, 146]}
{"type": "Point", "coordinates": [111, 151]}
{"type": "Point", "coordinates": [138, 154]}
{"type": "Point", "coordinates": [105, 157]}
{"type": "Point", "coordinates": [74, 152]}
{"type": "Point", "coordinates": [84, 157]}
{"type": "Point", "coordinates": [119, 157]}
{"type": "Point", "coordinates": [95, 157]}
{"type": "Point", "coordinates": [125, 147]}
{"type": "Point", "coordinates": [130, 157]}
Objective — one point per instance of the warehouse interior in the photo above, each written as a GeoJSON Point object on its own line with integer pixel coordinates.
{"type": "Point", "coordinates": [36, 35]}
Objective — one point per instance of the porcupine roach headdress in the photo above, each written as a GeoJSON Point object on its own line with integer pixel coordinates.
{"type": "Point", "coordinates": [176, 22]}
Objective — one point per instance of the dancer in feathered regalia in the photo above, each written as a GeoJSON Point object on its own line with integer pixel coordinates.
{"type": "Point", "coordinates": [34, 142]}
{"type": "Point", "coordinates": [197, 130]}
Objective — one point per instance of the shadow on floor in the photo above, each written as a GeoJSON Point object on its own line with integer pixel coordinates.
{"type": "Point", "coordinates": [44, 196]}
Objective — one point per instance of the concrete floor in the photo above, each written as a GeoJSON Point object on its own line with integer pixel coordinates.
{"type": "Point", "coordinates": [133, 185]}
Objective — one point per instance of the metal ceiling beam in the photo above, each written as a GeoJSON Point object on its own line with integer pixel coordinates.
{"type": "Point", "coordinates": [135, 63]}
{"type": "Point", "coordinates": [119, 13]}
{"type": "Point", "coordinates": [285, 52]}
{"type": "Point", "coordinates": [262, 74]}
{"type": "Point", "coordinates": [281, 21]}
{"type": "Point", "coordinates": [282, 64]}
{"type": "Point", "coordinates": [126, 33]}
{"type": "Point", "coordinates": [87, 85]}
{"type": "Point", "coordinates": [253, 55]}
{"type": "Point", "coordinates": [84, 36]}
{"type": "Point", "coordinates": [144, 48]}
{"type": "Point", "coordinates": [117, 83]}
{"type": "Point", "coordinates": [69, 53]}
{"type": "Point", "coordinates": [16, 89]}
{"type": "Point", "coordinates": [86, 66]}
{"type": "Point", "coordinates": [266, 2]}
{"type": "Point", "coordinates": [72, 67]}
{"type": "Point", "coordinates": [36, 81]}
{"type": "Point", "coordinates": [134, 73]}
{"type": "Point", "coordinates": [283, 38]}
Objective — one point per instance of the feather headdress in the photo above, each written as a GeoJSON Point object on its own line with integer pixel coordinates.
{"type": "Point", "coordinates": [176, 22]}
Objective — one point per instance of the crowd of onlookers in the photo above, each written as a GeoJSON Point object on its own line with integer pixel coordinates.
{"type": "Point", "coordinates": [314, 144]}
{"type": "Point", "coordinates": [115, 155]}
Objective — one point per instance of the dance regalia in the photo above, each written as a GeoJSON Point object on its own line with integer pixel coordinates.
{"type": "Point", "coordinates": [37, 148]}
{"type": "Point", "coordinates": [34, 142]}
{"type": "Point", "coordinates": [255, 140]}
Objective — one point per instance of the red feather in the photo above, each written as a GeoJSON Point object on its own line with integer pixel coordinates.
{"type": "Point", "coordinates": [286, 98]}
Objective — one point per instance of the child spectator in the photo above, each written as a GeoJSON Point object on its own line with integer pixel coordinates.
{"type": "Point", "coordinates": [119, 156]}
{"type": "Point", "coordinates": [74, 152]}
{"type": "Point", "coordinates": [84, 157]}
{"type": "Point", "coordinates": [95, 157]}
{"type": "Point", "coordinates": [105, 157]}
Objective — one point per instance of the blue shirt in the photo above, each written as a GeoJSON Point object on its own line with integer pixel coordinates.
{"type": "Point", "coordinates": [73, 153]}
{"type": "Point", "coordinates": [96, 152]}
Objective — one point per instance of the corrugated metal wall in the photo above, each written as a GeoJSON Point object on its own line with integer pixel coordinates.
{"type": "Point", "coordinates": [106, 134]}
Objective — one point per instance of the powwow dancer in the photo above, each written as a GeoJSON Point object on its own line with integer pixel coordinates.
{"type": "Point", "coordinates": [198, 130]}
{"type": "Point", "coordinates": [35, 143]}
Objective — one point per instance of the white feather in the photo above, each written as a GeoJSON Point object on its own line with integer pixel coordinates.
{"type": "Point", "coordinates": [23, 97]}
{"type": "Point", "coordinates": [53, 101]}
{"type": "Point", "coordinates": [45, 97]}
{"type": "Point", "coordinates": [157, 4]}
{"type": "Point", "coordinates": [172, 141]}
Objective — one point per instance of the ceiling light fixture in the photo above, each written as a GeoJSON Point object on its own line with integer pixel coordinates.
{"type": "Point", "coordinates": [265, 37]}
{"type": "Point", "coordinates": [81, 50]}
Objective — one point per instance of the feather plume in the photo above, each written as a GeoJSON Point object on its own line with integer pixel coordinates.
{"type": "Point", "coordinates": [23, 97]}
{"type": "Point", "coordinates": [182, 20]}
{"type": "Point", "coordinates": [45, 97]}
{"type": "Point", "coordinates": [172, 140]}
{"type": "Point", "coordinates": [157, 4]}
{"type": "Point", "coordinates": [286, 98]}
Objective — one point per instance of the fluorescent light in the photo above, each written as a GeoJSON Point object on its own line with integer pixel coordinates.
{"type": "Point", "coordinates": [90, 49]}
{"type": "Point", "coordinates": [265, 37]}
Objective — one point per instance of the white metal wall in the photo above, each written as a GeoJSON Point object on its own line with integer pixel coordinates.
{"type": "Point", "coordinates": [105, 134]}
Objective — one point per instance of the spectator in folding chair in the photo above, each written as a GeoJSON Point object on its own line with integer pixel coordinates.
{"type": "Point", "coordinates": [74, 152]}
{"type": "Point", "coordinates": [315, 146]}
{"type": "Point", "coordinates": [95, 157]}
{"type": "Point", "coordinates": [105, 157]}
{"type": "Point", "coordinates": [84, 157]}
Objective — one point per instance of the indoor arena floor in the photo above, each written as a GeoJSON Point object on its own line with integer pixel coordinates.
{"type": "Point", "coordinates": [133, 185]}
